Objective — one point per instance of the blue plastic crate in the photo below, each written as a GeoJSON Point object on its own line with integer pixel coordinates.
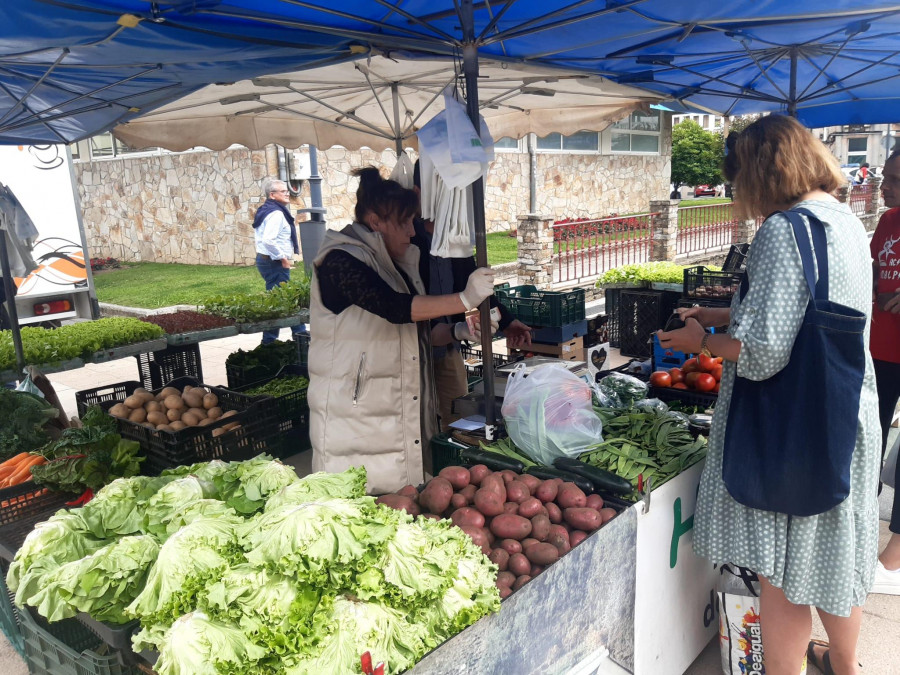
{"type": "Point", "coordinates": [663, 359]}
{"type": "Point", "coordinates": [557, 334]}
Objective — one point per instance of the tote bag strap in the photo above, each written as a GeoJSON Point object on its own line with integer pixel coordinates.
{"type": "Point", "coordinates": [817, 290]}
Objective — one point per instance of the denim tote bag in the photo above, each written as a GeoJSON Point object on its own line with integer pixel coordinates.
{"type": "Point", "coordinates": [789, 439]}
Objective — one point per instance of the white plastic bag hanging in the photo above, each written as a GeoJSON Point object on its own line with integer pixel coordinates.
{"type": "Point", "coordinates": [403, 171]}
{"type": "Point", "coordinates": [466, 145]}
{"type": "Point", "coordinates": [549, 413]}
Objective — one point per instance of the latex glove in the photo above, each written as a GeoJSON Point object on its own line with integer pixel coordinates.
{"type": "Point", "coordinates": [479, 287]}
{"type": "Point", "coordinates": [463, 331]}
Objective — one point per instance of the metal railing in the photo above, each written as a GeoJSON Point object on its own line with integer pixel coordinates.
{"type": "Point", "coordinates": [705, 228]}
{"type": "Point", "coordinates": [587, 248]}
{"type": "Point", "coordinates": [861, 198]}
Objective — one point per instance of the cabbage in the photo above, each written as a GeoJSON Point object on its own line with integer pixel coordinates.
{"type": "Point", "coordinates": [115, 509]}
{"type": "Point", "coordinates": [208, 471]}
{"type": "Point", "coordinates": [349, 484]}
{"type": "Point", "coordinates": [246, 486]}
{"type": "Point", "coordinates": [197, 645]}
{"type": "Point", "coordinates": [171, 500]}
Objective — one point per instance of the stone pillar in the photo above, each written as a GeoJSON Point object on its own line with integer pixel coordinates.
{"type": "Point", "coordinates": [875, 183]}
{"type": "Point", "coordinates": [665, 228]}
{"type": "Point", "coordinates": [535, 242]}
{"type": "Point", "coordinates": [843, 193]}
{"type": "Point", "coordinates": [744, 231]}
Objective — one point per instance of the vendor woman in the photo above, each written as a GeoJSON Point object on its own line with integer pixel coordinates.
{"type": "Point", "coordinates": [371, 392]}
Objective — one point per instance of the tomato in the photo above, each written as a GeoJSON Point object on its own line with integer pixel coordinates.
{"type": "Point", "coordinates": [680, 385]}
{"type": "Point", "coordinates": [706, 363]}
{"type": "Point", "coordinates": [691, 379]}
{"type": "Point", "coordinates": [718, 359]}
{"type": "Point", "coordinates": [717, 372]}
{"type": "Point", "coordinates": [705, 382]}
{"type": "Point", "coordinates": [716, 388]}
{"type": "Point", "coordinates": [676, 374]}
{"type": "Point", "coordinates": [690, 366]}
{"type": "Point", "coordinates": [660, 379]}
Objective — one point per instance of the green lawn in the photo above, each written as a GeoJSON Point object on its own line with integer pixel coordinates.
{"type": "Point", "coordinates": [501, 248]}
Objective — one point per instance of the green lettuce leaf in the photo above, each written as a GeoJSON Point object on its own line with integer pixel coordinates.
{"type": "Point", "coordinates": [198, 645]}
{"type": "Point", "coordinates": [246, 486]}
{"type": "Point", "coordinates": [170, 501]}
{"type": "Point", "coordinates": [349, 484]}
{"type": "Point", "coordinates": [208, 471]}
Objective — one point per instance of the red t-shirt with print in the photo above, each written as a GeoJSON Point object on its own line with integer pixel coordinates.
{"type": "Point", "coordinates": [885, 331]}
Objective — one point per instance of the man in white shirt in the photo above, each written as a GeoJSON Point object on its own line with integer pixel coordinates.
{"type": "Point", "coordinates": [276, 241]}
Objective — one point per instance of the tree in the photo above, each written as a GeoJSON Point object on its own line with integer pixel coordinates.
{"type": "Point", "coordinates": [741, 122]}
{"type": "Point", "coordinates": [696, 155]}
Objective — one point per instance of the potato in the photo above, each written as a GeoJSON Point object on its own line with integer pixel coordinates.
{"type": "Point", "coordinates": [530, 507]}
{"type": "Point", "coordinates": [469, 492]}
{"type": "Point", "coordinates": [517, 491]}
{"type": "Point", "coordinates": [505, 592]}
{"type": "Point", "coordinates": [156, 418]}
{"type": "Point", "coordinates": [571, 496]}
{"type": "Point", "coordinates": [511, 546]}
{"type": "Point", "coordinates": [535, 570]}
{"type": "Point", "coordinates": [218, 431]}
{"type": "Point", "coordinates": [510, 507]}
{"type": "Point", "coordinates": [190, 419]}
{"type": "Point", "coordinates": [457, 501]}
{"type": "Point", "coordinates": [400, 503]}
{"type": "Point", "coordinates": [173, 414]}
{"type": "Point", "coordinates": [547, 491]}
{"type": "Point", "coordinates": [509, 526]}
{"type": "Point", "coordinates": [153, 406]}
{"type": "Point", "coordinates": [140, 391]}
{"type": "Point", "coordinates": [488, 502]}
{"type": "Point", "coordinates": [120, 410]}
{"type": "Point", "coordinates": [554, 513]}
{"type": "Point", "coordinates": [214, 413]}
{"type": "Point", "coordinates": [531, 481]}
{"type": "Point", "coordinates": [199, 412]}
{"type": "Point", "coordinates": [138, 416]}
{"type": "Point", "coordinates": [232, 426]}
{"type": "Point", "coordinates": [505, 578]}
{"type": "Point", "coordinates": [608, 514]}
{"type": "Point", "coordinates": [174, 402]}
{"type": "Point", "coordinates": [560, 539]}
{"type": "Point", "coordinates": [210, 401]}
{"type": "Point", "coordinates": [528, 542]}
{"type": "Point", "coordinates": [134, 402]}
{"type": "Point", "coordinates": [457, 475]}
{"type": "Point", "coordinates": [192, 399]}
{"type": "Point", "coordinates": [436, 495]}
{"type": "Point", "coordinates": [168, 391]}
{"type": "Point", "coordinates": [477, 473]}
{"type": "Point", "coordinates": [408, 491]}
{"type": "Point", "coordinates": [521, 581]}
{"type": "Point", "coordinates": [508, 475]}
{"type": "Point", "coordinates": [542, 554]}
{"type": "Point", "coordinates": [229, 413]}
{"type": "Point", "coordinates": [495, 483]}
{"type": "Point", "coordinates": [576, 537]}
{"type": "Point", "coordinates": [177, 425]}
{"type": "Point", "coordinates": [479, 536]}
{"type": "Point", "coordinates": [205, 421]}
{"type": "Point", "coordinates": [467, 516]}
{"type": "Point", "coordinates": [500, 558]}
{"type": "Point", "coordinates": [594, 502]}
{"type": "Point", "coordinates": [163, 427]}
{"type": "Point", "coordinates": [540, 527]}
{"type": "Point", "coordinates": [186, 389]}
{"type": "Point", "coordinates": [518, 564]}
{"type": "Point", "coordinates": [583, 518]}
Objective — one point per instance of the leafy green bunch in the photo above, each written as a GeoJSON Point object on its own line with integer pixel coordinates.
{"type": "Point", "coordinates": [282, 301]}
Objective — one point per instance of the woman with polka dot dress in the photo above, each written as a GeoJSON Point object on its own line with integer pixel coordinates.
{"type": "Point", "coordinates": [826, 561]}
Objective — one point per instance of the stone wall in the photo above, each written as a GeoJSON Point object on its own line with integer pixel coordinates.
{"type": "Point", "coordinates": [196, 207]}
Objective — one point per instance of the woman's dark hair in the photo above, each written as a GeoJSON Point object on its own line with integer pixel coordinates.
{"type": "Point", "coordinates": [385, 198]}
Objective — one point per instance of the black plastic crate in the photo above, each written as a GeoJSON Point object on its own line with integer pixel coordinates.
{"type": "Point", "coordinates": [9, 613]}
{"type": "Point", "coordinates": [156, 369]}
{"type": "Point", "coordinates": [445, 452]}
{"type": "Point", "coordinates": [21, 508]}
{"type": "Point", "coordinates": [289, 412]}
{"type": "Point", "coordinates": [736, 260]}
{"type": "Point", "coordinates": [641, 313]}
{"type": "Point", "coordinates": [167, 449]}
{"type": "Point", "coordinates": [706, 284]}
{"type": "Point", "coordinates": [240, 376]}
{"type": "Point", "coordinates": [611, 297]}
{"type": "Point", "coordinates": [544, 308]}
{"type": "Point", "coordinates": [114, 393]}
{"type": "Point", "coordinates": [685, 396]}
{"type": "Point", "coordinates": [302, 342]}
{"type": "Point", "coordinates": [472, 359]}
{"type": "Point", "coordinates": [116, 636]}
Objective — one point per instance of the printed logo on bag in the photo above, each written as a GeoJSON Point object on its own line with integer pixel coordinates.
{"type": "Point", "coordinates": [750, 643]}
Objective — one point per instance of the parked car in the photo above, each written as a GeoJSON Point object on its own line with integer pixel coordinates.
{"type": "Point", "coordinates": [705, 191]}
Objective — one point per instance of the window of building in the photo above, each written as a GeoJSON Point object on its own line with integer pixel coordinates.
{"type": "Point", "coordinates": [637, 133]}
{"type": "Point", "coordinates": [506, 143]}
{"type": "Point", "coordinates": [106, 146]}
{"type": "Point", "coordinates": [857, 149]}
{"type": "Point", "coordinates": [582, 141]}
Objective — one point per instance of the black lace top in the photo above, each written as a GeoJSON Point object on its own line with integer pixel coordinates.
{"type": "Point", "coordinates": [345, 280]}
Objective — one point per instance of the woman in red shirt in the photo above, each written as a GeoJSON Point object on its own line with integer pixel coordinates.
{"type": "Point", "coordinates": [885, 348]}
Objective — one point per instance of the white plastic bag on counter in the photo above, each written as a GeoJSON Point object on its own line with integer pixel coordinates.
{"type": "Point", "coordinates": [549, 413]}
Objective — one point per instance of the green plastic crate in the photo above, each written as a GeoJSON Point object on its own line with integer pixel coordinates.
{"type": "Point", "coordinates": [9, 613]}
{"type": "Point", "coordinates": [445, 452]}
{"type": "Point", "coordinates": [544, 308]}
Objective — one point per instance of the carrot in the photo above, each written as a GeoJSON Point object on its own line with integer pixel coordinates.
{"type": "Point", "coordinates": [24, 470]}
{"type": "Point", "coordinates": [14, 460]}
{"type": "Point", "coordinates": [12, 465]}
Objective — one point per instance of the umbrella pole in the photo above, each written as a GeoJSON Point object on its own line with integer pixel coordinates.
{"type": "Point", "coordinates": [470, 69]}
{"type": "Point", "coordinates": [10, 293]}
{"type": "Point", "coordinates": [792, 94]}
{"type": "Point", "coordinates": [395, 101]}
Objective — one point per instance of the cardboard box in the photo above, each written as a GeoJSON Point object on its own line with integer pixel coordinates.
{"type": "Point", "coordinates": [573, 350]}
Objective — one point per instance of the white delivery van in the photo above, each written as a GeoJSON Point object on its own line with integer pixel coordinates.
{"type": "Point", "coordinates": [38, 193]}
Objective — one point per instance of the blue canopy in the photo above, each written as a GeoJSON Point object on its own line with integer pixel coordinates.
{"type": "Point", "coordinates": [70, 69]}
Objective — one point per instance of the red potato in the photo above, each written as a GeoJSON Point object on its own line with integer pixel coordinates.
{"type": "Point", "coordinates": [535, 570]}
{"type": "Point", "coordinates": [517, 491]}
{"type": "Point", "coordinates": [506, 578]}
{"type": "Point", "coordinates": [467, 516]}
{"type": "Point", "coordinates": [547, 491]}
{"type": "Point", "coordinates": [576, 537]}
{"type": "Point", "coordinates": [400, 503]}
{"type": "Point", "coordinates": [457, 501]}
{"type": "Point", "coordinates": [509, 475]}
{"type": "Point", "coordinates": [511, 546]}
{"type": "Point", "coordinates": [458, 476]}
{"type": "Point", "coordinates": [559, 529]}
{"type": "Point", "coordinates": [488, 502]}
{"type": "Point", "coordinates": [477, 473]}
{"type": "Point", "coordinates": [583, 519]}
{"type": "Point", "coordinates": [530, 507]}
{"type": "Point", "coordinates": [435, 498]}
{"type": "Point", "coordinates": [408, 491]}
{"type": "Point", "coordinates": [608, 514]}
{"type": "Point", "coordinates": [554, 513]}
{"type": "Point", "coordinates": [540, 527]}
{"type": "Point", "coordinates": [561, 541]}
{"type": "Point", "coordinates": [594, 502]}
{"type": "Point", "coordinates": [494, 482]}
{"type": "Point", "coordinates": [531, 481]}
{"type": "Point", "coordinates": [529, 541]}
{"type": "Point", "coordinates": [542, 554]}
{"type": "Point", "coordinates": [519, 564]}
{"type": "Point", "coordinates": [511, 507]}
{"type": "Point", "coordinates": [490, 535]}
{"type": "Point", "coordinates": [510, 526]}
{"type": "Point", "coordinates": [479, 536]}
{"type": "Point", "coordinates": [505, 592]}
{"type": "Point", "coordinates": [500, 558]}
{"type": "Point", "coordinates": [570, 496]}
{"type": "Point", "coordinates": [469, 493]}
{"type": "Point", "coordinates": [521, 581]}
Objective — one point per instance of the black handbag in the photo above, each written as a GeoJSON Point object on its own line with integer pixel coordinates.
{"type": "Point", "coordinates": [789, 439]}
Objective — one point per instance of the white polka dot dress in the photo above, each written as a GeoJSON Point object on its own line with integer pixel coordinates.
{"type": "Point", "coordinates": [828, 560]}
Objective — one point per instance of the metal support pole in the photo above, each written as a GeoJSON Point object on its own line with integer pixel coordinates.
{"type": "Point", "coordinates": [470, 69]}
{"type": "Point", "coordinates": [532, 174]}
{"type": "Point", "coordinates": [10, 292]}
{"type": "Point", "coordinates": [313, 231]}
{"type": "Point", "coordinates": [792, 94]}
{"type": "Point", "coordinates": [395, 101]}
